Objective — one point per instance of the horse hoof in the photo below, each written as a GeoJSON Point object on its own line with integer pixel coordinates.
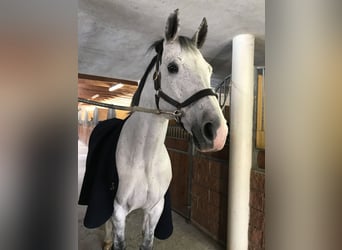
{"type": "Point", "coordinates": [108, 245]}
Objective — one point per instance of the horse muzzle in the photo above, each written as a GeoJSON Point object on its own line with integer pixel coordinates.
{"type": "Point", "coordinates": [210, 136]}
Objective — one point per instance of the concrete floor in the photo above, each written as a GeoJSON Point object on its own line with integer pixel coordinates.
{"type": "Point", "coordinates": [185, 236]}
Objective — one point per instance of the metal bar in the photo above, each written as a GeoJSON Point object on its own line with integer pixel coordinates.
{"type": "Point", "coordinates": [190, 170]}
{"type": "Point", "coordinates": [223, 88]}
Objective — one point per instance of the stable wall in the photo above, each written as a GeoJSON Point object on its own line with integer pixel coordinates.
{"type": "Point", "coordinates": [86, 123]}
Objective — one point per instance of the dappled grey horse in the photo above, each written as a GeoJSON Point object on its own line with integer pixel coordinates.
{"type": "Point", "coordinates": [180, 89]}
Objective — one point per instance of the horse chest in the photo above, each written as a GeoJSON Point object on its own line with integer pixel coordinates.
{"type": "Point", "coordinates": [143, 181]}
{"type": "Point", "coordinates": [141, 190]}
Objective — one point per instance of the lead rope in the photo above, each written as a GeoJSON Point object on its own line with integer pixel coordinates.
{"type": "Point", "coordinates": [174, 114]}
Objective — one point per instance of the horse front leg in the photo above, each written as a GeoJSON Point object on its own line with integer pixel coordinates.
{"type": "Point", "coordinates": [151, 218]}
{"type": "Point", "coordinates": [108, 240]}
{"type": "Point", "coordinates": [119, 218]}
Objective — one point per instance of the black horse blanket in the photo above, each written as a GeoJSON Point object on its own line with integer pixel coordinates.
{"type": "Point", "coordinates": [101, 180]}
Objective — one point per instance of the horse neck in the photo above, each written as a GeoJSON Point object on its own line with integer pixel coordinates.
{"type": "Point", "coordinates": [151, 127]}
{"type": "Point", "coordinates": [147, 99]}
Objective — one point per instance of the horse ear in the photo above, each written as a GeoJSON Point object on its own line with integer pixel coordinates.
{"type": "Point", "coordinates": [200, 35]}
{"type": "Point", "coordinates": [172, 27]}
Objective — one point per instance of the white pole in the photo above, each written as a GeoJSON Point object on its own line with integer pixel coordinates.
{"type": "Point", "coordinates": [241, 131]}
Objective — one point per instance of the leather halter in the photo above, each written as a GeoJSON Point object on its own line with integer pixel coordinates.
{"type": "Point", "coordinates": [179, 105]}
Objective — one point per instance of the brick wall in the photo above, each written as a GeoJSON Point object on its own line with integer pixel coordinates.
{"type": "Point", "coordinates": [256, 234]}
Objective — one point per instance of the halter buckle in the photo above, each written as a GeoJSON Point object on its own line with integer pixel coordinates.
{"type": "Point", "coordinates": [177, 115]}
{"type": "Point", "coordinates": [155, 75]}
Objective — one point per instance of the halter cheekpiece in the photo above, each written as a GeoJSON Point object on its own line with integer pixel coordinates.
{"type": "Point", "coordinates": [178, 113]}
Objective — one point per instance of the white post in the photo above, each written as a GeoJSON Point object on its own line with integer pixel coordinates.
{"type": "Point", "coordinates": [241, 131]}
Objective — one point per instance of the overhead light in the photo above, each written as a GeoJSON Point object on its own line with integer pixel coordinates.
{"type": "Point", "coordinates": [116, 86]}
{"type": "Point", "coordinates": [95, 96]}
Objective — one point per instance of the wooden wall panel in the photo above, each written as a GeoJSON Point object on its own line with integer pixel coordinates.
{"type": "Point", "coordinates": [209, 196]}
{"type": "Point", "coordinates": [179, 183]}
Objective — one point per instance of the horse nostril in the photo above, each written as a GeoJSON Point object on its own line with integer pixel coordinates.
{"type": "Point", "coordinates": [208, 131]}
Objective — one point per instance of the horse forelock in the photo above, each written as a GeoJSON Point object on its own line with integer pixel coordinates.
{"type": "Point", "coordinates": [185, 43]}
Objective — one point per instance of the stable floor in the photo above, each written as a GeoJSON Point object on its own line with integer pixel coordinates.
{"type": "Point", "coordinates": [185, 236]}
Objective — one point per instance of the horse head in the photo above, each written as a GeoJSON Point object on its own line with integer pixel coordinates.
{"type": "Point", "coordinates": [186, 79]}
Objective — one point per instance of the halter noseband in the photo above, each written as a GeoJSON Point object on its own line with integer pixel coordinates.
{"type": "Point", "coordinates": [160, 94]}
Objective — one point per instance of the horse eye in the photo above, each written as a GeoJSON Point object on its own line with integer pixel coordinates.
{"type": "Point", "coordinates": [172, 68]}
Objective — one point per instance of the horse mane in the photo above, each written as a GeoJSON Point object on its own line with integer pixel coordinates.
{"type": "Point", "coordinates": [185, 43]}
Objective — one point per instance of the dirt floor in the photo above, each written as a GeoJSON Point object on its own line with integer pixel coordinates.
{"type": "Point", "coordinates": [185, 236]}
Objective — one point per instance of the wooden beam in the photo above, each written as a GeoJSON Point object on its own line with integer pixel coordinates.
{"type": "Point", "coordinates": [107, 79]}
{"type": "Point", "coordinates": [260, 133]}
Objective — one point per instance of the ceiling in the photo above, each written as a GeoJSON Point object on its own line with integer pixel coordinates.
{"type": "Point", "coordinates": [98, 89]}
{"type": "Point", "coordinates": [114, 36]}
